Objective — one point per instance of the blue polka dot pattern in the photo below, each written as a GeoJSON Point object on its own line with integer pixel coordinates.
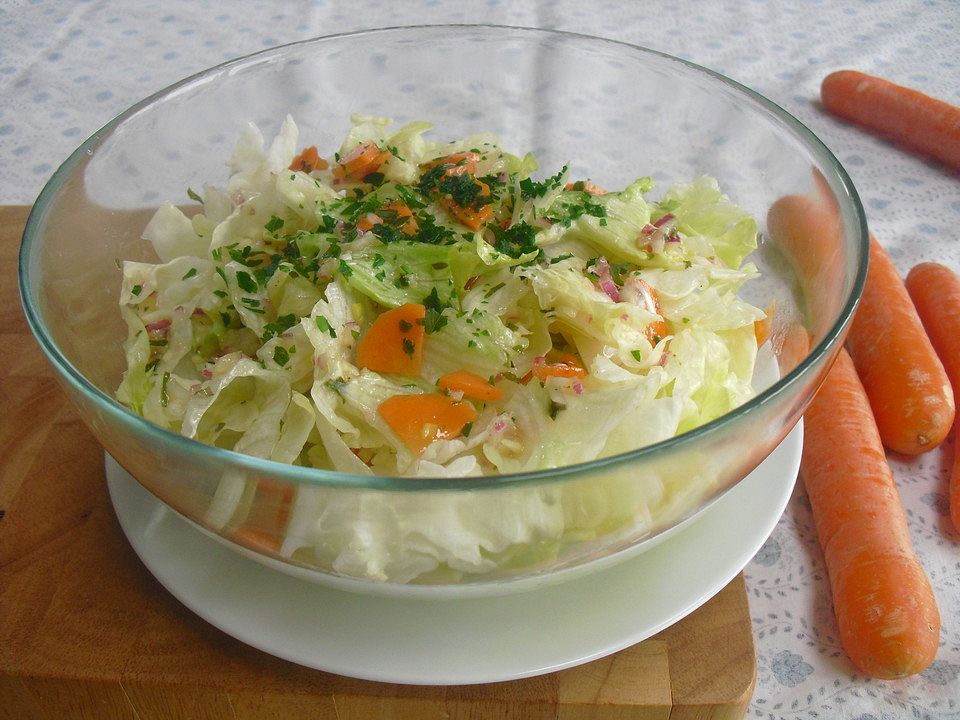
{"type": "Point", "coordinates": [67, 68]}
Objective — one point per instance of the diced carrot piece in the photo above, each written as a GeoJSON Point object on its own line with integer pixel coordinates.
{"type": "Point", "coordinates": [657, 331]}
{"type": "Point", "coordinates": [586, 186]}
{"type": "Point", "coordinates": [309, 160]}
{"type": "Point", "coordinates": [762, 327]}
{"type": "Point", "coordinates": [472, 217]}
{"type": "Point", "coordinates": [470, 384]}
{"type": "Point", "coordinates": [368, 221]}
{"type": "Point", "coordinates": [394, 342]}
{"type": "Point", "coordinates": [398, 215]}
{"type": "Point", "coordinates": [418, 420]}
{"type": "Point", "coordinates": [256, 539]}
{"type": "Point", "coordinates": [460, 163]}
{"type": "Point", "coordinates": [565, 366]}
{"type": "Point", "coordinates": [360, 162]}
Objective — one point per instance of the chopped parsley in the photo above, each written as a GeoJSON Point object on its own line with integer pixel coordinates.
{"type": "Point", "coordinates": [345, 269]}
{"type": "Point", "coordinates": [164, 396]}
{"type": "Point", "coordinates": [408, 347]}
{"type": "Point", "coordinates": [279, 326]}
{"type": "Point", "coordinates": [530, 189]}
{"type": "Point", "coordinates": [434, 320]}
{"type": "Point", "coordinates": [136, 289]}
{"type": "Point", "coordinates": [193, 196]}
{"type": "Point", "coordinates": [280, 356]}
{"type": "Point", "coordinates": [273, 224]}
{"type": "Point", "coordinates": [246, 282]}
{"type": "Point", "coordinates": [516, 240]}
{"type": "Point", "coordinates": [189, 274]}
{"type": "Point", "coordinates": [323, 325]}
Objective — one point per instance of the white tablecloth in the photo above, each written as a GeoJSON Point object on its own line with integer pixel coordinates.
{"type": "Point", "coordinates": [68, 68]}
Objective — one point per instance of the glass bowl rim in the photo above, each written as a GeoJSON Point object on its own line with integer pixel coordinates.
{"type": "Point", "coordinates": [318, 477]}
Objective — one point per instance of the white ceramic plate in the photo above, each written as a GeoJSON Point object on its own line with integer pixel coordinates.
{"type": "Point", "coordinates": [454, 642]}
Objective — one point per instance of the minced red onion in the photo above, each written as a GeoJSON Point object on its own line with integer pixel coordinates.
{"type": "Point", "coordinates": [159, 325]}
{"type": "Point", "coordinates": [606, 279]}
{"type": "Point", "coordinates": [665, 219]}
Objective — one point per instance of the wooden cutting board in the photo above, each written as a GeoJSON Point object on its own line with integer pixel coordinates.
{"type": "Point", "coordinates": [87, 632]}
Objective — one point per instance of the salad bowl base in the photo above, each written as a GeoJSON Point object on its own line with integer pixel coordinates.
{"type": "Point", "coordinates": [467, 641]}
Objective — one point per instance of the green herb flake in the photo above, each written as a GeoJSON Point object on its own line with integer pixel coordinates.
{"type": "Point", "coordinates": [273, 224]}
{"type": "Point", "coordinates": [405, 326]}
{"type": "Point", "coordinates": [246, 282]}
{"type": "Point", "coordinates": [280, 356]}
{"type": "Point", "coordinates": [489, 293]}
{"type": "Point", "coordinates": [408, 347]}
{"type": "Point", "coordinates": [345, 269]}
{"type": "Point", "coordinates": [164, 397]}
{"type": "Point", "coordinates": [279, 326]}
{"type": "Point", "coordinates": [136, 289]}
{"type": "Point", "coordinates": [637, 355]}
{"type": "Point", "coordinates": [323, 325]}
{"type": "Point", "coordinates": [189, 274]}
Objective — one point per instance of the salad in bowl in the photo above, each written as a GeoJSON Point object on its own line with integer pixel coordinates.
{"type": "Point", "coordinates": [408, 307]}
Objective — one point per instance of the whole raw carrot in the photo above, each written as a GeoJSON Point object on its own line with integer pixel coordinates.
{"type": "Point", "coordinates": [935, 290]}
{"type": "Point", "coordinates": [915, 120]}
{"type": "Point", "coordinates": [808, 231]}
{"type": "Point", "coordinates": [908, 388]}
{"type": "Point", "coordinates": [885, 608]}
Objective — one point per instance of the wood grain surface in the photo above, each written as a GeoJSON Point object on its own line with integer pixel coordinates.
{"type": "Point", "coordinates": [87, 632]}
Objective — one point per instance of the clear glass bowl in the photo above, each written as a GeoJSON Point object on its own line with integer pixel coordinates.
{"type": "Point", "coordinates": [613, 112]}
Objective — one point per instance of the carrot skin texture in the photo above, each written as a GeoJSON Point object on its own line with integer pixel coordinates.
{"type": "Point", "coordinates": [908, 388]}
{"type": "Point", "coordinates": [885, 608]}
{"type": "Point", "coordinates": [935, 290]}
{"type": "Point", "coordinates": [909, 117]}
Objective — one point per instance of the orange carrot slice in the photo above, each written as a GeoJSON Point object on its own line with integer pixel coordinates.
{"type": "Point", "coordinates": [418, 420]}
{"type": "Point", "coordinates": [886, 610]}
{"type": "Point", "coordinates": [308, 160]}
{"type": "Point", "coordinates": [586, 186]}
{"type": "Point", "coordinates": [472, 217]}
{"type": "Point", "coordinates": [394, 342]}
{"type": "Point", "coordinates": [398, 215]}
{"type": "Point", "coordinates": [565, 366]}
{"type": "Point", "coordinates": [263, 529]}
{"type": "Point", "coordinates": [908, 388]}
{"type": "Point", "coordinates": [257, 539]}
{"type": "Point", "coordinates": [935, 291]}
{"type": "Point", "coordinates": [762, 327]}
{"type": "Point", "coordinates": [471, 385]}
{"type": "Point", "coordinates": [359, 162]}
{"type": "Point", "coordinates": [459, 163]}
{"type": "Point", "coordinates": [911, 118]}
